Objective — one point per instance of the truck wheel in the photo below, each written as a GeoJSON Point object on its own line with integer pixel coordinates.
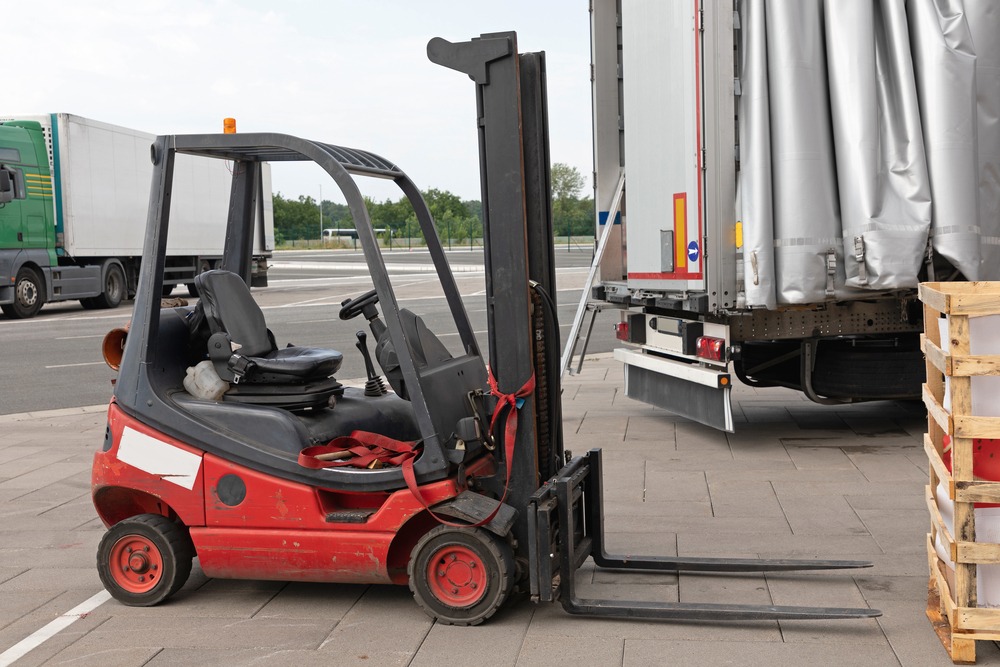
{"type": "Point", "coordinates": [192, 290]}
{"type": "Point", "coordinates": [113, 288]}
{"type": "Point", "coordinates": [144, 559]}
{"type": "Point", "coordinates": [29, 295]}
{"type": "Point", "coordinates": [460, 576]}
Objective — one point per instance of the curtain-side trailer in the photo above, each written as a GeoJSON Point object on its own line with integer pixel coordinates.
{"type": "Point", "coordinates": [792, 170]}
{"type": "Point", "coordinates": [74, 194]}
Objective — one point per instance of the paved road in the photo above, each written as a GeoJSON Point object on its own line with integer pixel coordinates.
{"type": "Point", "coordinates": [54, 360]}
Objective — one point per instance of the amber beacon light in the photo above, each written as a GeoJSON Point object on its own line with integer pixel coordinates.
{"type": "Point", "coordinates": [229, 125]}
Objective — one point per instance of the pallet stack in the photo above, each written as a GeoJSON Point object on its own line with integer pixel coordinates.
{"type": "Point", "coordinates": [952, 595]}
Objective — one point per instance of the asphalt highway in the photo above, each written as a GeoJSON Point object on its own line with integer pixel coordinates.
{"type": "Point", "coordinates": [54, 360]}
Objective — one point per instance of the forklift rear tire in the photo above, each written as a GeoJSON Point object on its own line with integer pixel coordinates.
{"type": "Point", "coordinates": [145, 559]}
{"type": "Point", "coordinates": [461, 576]}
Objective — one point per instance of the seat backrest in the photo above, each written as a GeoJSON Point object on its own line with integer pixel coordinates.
{"type": "Point", "coordinates": [229, 308]}
{"type": "Point", "coordinates": [426, 349]}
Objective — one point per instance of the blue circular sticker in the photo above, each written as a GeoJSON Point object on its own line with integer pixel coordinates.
{"type": "Point", "coordinates": [693, 251]}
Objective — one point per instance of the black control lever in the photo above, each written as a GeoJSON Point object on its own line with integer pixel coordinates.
{"type": "Point", "coordinates": [374, 386]}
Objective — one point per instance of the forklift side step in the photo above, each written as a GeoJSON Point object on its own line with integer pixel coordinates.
{"type": "Point", "coordinates": [351, 516]}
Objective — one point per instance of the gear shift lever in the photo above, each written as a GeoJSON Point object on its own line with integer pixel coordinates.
{"type": "Point", "coordinates": [373, 385]}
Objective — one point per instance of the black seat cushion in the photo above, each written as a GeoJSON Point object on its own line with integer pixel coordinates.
{"type": "Point", "coordinates": [301, 362]}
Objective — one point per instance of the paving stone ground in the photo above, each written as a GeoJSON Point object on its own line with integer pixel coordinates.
{"type": "Point", "coordinates": [796, 480]}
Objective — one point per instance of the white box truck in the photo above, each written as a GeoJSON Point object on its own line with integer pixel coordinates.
{"type": "Point", "coordinates": [792, 169]}
{"type": "Point", "coordinates": [74, 194]}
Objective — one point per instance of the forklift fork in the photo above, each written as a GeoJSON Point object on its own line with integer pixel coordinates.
{"type": "Point", "coordinates": [566, 526]}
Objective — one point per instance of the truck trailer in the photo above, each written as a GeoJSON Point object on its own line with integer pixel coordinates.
{"type": "Point", "coordinates": [74, 194]}
{"type": "Point", "coordinates": [779, 176]}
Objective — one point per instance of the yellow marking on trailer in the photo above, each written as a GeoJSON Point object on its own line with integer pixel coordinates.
{"type": "Point", "coordinates": [680, 231]}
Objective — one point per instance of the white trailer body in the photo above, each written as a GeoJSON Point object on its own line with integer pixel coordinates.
{"type": "Point", "coordinates": [103, 180]}
{"type": "Point", "coordinates": [101, 176]}
{"type": "Point", "coordinates": [792, 171]}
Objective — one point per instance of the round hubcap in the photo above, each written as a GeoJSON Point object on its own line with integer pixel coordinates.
{"type": "Point", "coordinates": [136, 564]}
{"type": "Point", "coordinates": [27, 292]}
{"type": "Point", "coordinates": [456, 576]}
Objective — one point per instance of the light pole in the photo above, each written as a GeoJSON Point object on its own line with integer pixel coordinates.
{"type": "Point", "coordinates": [321, 214]}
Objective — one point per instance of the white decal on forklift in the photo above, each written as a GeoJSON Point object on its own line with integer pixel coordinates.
{"type": "Point", "coordinates": [159, 458]}
{"type": "Point", "coordinates": [38, 637]}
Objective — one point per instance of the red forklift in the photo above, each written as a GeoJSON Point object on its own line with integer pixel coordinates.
{"type": "Point", "coordinates": [473, 496]}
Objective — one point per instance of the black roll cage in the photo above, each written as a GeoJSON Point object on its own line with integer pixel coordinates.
{"type": "Point", "coordinates": [137, 391]}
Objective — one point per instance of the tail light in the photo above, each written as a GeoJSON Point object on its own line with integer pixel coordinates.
{"type": "Point", "coordinates": [713, 349]}
{"type": "Point", "coordinates": [621, 331]}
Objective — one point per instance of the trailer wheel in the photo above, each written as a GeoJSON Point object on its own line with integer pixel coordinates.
{"type": "Point", "coordinates": [144, 559]}
{"type": "Point", "coordinates": [29, 295]}
{"type": "Point", "coordinates": [113, 288]}
{"type": "Point", "coordinates": [461, 576]}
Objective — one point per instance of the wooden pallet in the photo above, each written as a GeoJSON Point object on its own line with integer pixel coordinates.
{"type": "Point", "coordinates": [952, 607]}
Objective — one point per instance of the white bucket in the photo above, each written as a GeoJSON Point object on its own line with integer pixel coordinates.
{"type": "Point", "coordinates": [203, 382]}
{"type": "Point", "coordinates": [984, 338]}
{"type": "Point", "coordinates": [987, 530]}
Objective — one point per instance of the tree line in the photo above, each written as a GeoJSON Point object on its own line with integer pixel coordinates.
{"type": "Point", "coordinates": [456, 219]}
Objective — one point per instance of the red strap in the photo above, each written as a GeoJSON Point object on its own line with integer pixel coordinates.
{"type": "Point", "coordinates": [510, 437]}
{"type": "Point", "coordinates": [367, 447]}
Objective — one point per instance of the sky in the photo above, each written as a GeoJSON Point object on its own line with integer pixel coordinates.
{"type": "Point", "coordinates": [348, 72]}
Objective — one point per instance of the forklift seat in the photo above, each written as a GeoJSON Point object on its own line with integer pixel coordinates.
{"type": "Point", "coordinates": [243, 350]}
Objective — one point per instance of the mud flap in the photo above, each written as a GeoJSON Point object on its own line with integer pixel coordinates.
{"type": "Point", "coordinates": [698, 393]}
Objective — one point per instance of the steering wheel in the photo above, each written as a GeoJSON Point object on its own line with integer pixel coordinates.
{"type": "Point", "coordinates": [351, 308]}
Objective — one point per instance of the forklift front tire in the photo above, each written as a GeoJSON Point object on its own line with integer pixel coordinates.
{"type": "Point", "coordinates": [461, 576]}
{"type": "Point", "coordinates": [144, 559]}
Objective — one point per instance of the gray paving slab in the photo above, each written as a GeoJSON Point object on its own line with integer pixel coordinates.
{"type": "Point", "coordinates": [643, 652]}
{"type": "Point", "coordinates": [222, 632]}
{"type": "Point", "coordinates": [384, 627]}
{"type": "Point", "coordinates": [498, 643]}
{"type": "Point", "coordinates": [796, 480]}
{"type": "Point", "coordinates": [43, 615]}
{"type": "Point", "coordinates": [748, 499]}
{"type": "Point", "coordinates": [897, 531]}
{"type": "Point", "coordinates": [822, 515]}
{"type": "Point", "coordinates": [83, 654]}
{"type": "Point", "coordinates": [563, 650]}
{"type": "Point", "coordinates": [308, 600]}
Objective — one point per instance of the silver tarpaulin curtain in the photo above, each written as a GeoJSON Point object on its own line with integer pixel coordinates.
{"type": "Point", "coordinates": [867, 126]}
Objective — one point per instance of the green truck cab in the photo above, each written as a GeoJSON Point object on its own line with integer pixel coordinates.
{"type": "Point", "coordinates": [27, 218]}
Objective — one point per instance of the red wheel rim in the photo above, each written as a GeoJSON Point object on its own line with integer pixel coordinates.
{"type": "Point", "coordinates": [456, 575]}
{"type": "Point", "coordinates": [136, 564]}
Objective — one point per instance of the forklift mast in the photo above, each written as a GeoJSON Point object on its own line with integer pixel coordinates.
{"type": "Point", "coordinates": [519, 249]}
